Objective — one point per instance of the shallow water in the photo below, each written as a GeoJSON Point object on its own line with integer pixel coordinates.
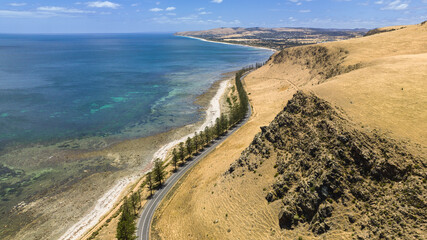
{"type": "Point", "coordinates": [64, 95]}
{"type": "Point", "coordinates": [57, 87]}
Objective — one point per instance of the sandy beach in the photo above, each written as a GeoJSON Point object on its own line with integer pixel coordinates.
{"type": "Point", "coordinates": [102, 170]}
{"type": "Point", "coordinates": [212, 113]}
{"type": "Point", "coordinates": [105, 204]}
{"type": "Point", "coordinates": [204, 40]}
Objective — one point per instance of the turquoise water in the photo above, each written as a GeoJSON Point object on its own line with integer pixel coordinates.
{"type": "Point", "coordinates": [57, 87]}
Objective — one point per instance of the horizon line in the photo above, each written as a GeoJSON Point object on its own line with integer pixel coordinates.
{"type": "Point", "coordinates": [138, 32]}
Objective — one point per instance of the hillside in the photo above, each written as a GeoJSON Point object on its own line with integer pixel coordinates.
{"type": "Point", "coordinates": [370, 91]}
{"type": "Point", "coordinates": [333, 178]}
{"type": "Point", "coordinates": [276, 38]}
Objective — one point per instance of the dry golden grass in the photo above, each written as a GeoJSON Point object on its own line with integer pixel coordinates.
{"type": "Point", "coordinates": [205, 206]}
{"type": "Point", "coordinates": [390, 92]}
{"type": "Point", "coordinates": [409, 40]}
{"type": "Point", "coordinates": [208, 205]}
{"type": "Point", "coordinates": [106, 228]}
{"type": "Point", "coordinates": [390, 95]}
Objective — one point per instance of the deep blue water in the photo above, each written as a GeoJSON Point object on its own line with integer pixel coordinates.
{"type": "Point", "coordinates": [57, 87]}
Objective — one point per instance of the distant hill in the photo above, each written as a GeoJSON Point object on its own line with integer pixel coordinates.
{"type": "Point", "coordinates": [276, 38]}
{"type": "Point", "coordinates": [382, 30]}
{"type": "Point", "coordinates": [336, 148]}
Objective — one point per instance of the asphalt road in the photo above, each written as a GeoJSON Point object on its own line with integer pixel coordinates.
{"type": "Point", "coordinates": [144, 222]}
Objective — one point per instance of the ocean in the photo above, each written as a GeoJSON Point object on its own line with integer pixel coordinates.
{"type": "Point", "coordinates": [56, 87]}
{"type": "Point", "coordinates": [63, 96]}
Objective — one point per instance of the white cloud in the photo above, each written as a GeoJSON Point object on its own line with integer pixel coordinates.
{"type": "Point", "coordinates": [62, 10]}
{"type": "Point", "coordinates": [204, 13]}
{"type": "Point", "coordinates": [105, 4]}
{"type": "Point", "coordinates": [292, 19]}
{"type": "Point", "coordinates": [200, 9]}
{"type": "Point", "coordinates": [134, 5]}
{"type": "Point", "coordinates": [379, 2]}
{"type": "Point", "coordinates": [14, 14]}
{"type": "Point", "coordinates": [17, 4]}
{"type": "Point", "coordinates": [156, 10]}
{"type": "Point", "coordinates": [28, 14]}
{"type": "Point", "coordinates": [190, 17]}
{"type": "Point", "coordinates": [43, 12]}
{"type": "Point", "coordinates": [218, 21]}
{"type": "Point", "coordinates": [170, 8]}
{"type": "Point", "coordinates": [157, 3]}
{"type": "Point", "coordinates": [217, 1]}
{"type": "Point", "coordinates": [299, 2]}
{"type": "Point", "coordinates": [305, 11]}
{"type": "Point", "coordinates": [194, 19]}
{"type": "Point", "coordinates": [396, 5]}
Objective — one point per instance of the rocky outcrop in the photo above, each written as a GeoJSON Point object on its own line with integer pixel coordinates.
{"type": "Point", "coordinates": [322, 62]}
{"type": "Point", "coordinates": [331, 176]}
{"type": "Point", "coordinates": [381, 30]}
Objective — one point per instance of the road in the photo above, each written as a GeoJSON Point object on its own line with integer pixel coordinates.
{"type": "Point", "coordinates": [144, 222]}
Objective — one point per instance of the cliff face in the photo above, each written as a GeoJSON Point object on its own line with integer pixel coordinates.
{"type": "Point", "coordinates": [331, 177]}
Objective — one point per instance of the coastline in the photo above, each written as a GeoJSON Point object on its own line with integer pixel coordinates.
{"type": "Point", "coordinates": [112, 196]}
{"type": "Point", "coordinates": [106, 168]}
{"type": "Point", "coordinates": [244, 45]}
{"type": "Point", "coordinates": [211, 202]}
{"type": "Point", "coordinates": [212, 113]}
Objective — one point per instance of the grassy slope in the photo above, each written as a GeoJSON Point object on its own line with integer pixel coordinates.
{"type": "Point", "coordinates": [373, 95]}
{"type": "Point", "coordinates": [209, 206]}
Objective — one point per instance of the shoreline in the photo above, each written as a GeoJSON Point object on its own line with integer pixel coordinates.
{"type": "Point", "coordinates": [212, 113]}
{"type": "Point", "coordinates": [236, 44]}
{"type": "Point", "coordinates": [109, 200]}
{"type": "Point", "coordinates": [111, 197]}
{"type": "Point", "coordinates": [124, 162]}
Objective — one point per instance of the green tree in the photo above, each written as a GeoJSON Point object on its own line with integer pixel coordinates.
{"type": "Point", "coordinates": [223, 121]}
{"type": "Point", "coordinates": [159, 172]}
{"type": "Point", "coordinates": [181, 151]}
{"type": "Point", "coordinates": [234, 118]}
{"type": "Point", "coordinates": [175, 158]}
{"type": "Point", "coordinates": [189, 146]}
{"type": "Point", "coordinates": [239, 111]}
{"type": "Point", "coordinates": [150, 182]}
{"type": "Point", "coordinates": [217, 128]}
{"type": "Point", "coordinates": [208, 134]}
{"type": "Point", "coordinates": [202, 138]}
{"type": "Point", "coordinates": [196, 142]}
{"type": "Point", "coordinates": [126, 226]}
{"type": "Point", "coordinates": [134, 200]}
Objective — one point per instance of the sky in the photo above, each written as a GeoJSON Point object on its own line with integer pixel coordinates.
{"type": "Point", "coordinates": [130, 16]}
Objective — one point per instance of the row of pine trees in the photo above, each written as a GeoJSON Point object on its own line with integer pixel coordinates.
{"type": "Point", "coordinates": [192, 146]}
{"type": "Point", "coordinates": [183, 152]}
{"type": "Point", "coordinates": [129, 211]}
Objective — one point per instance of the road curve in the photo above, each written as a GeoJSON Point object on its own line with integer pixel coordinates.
{"type": "Point", "coordinates": [144, 222]}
